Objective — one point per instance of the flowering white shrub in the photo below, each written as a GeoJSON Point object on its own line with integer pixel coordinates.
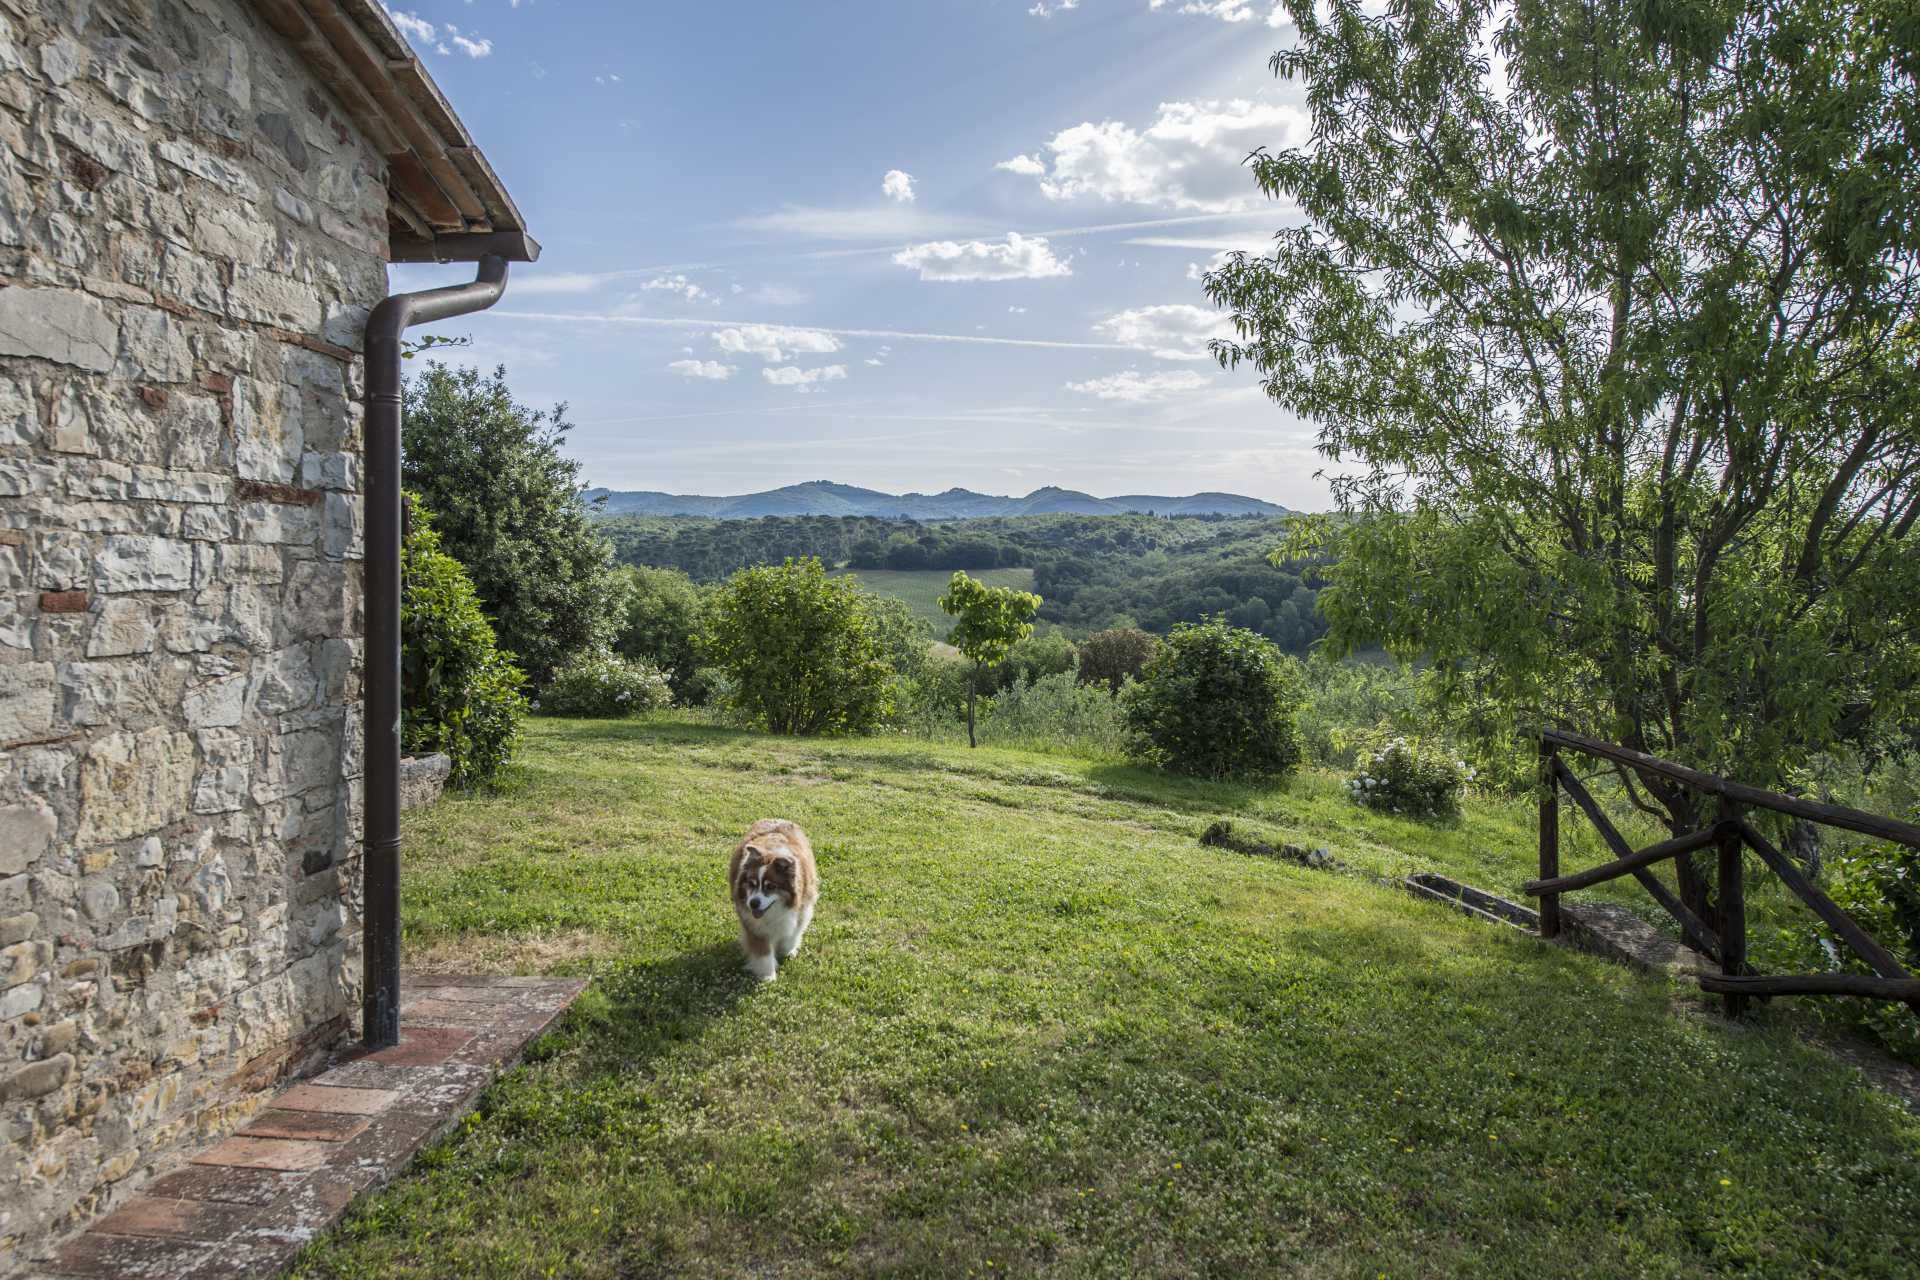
{"type": "Point", "coordinates": [605, 684]}
{"type": "Point", "coordinates": [1411, 779]}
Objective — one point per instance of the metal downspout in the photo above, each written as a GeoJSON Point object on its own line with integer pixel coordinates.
{"type": "Point", "coordinates": [380, 689]}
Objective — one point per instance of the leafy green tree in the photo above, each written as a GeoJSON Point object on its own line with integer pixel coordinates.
{"type": "Point", "coordinates": [507, 506]}
{"type": "Point", "coordinates": [459, 693]}
{"type": "Point", "coordinates": [1607, 313]}
{"type": "Point", "coordinates": [802, 649]}
{"type": "Point", "coordinates": [1217, 701]}
{"type": "Point", "coordinates": [989, 621]}
{"type": "Point", "coordinates": [660, 621]}
{"type": "Point", "coordinates": [1114, 656]}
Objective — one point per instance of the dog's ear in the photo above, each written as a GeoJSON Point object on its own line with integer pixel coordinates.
{"type": "Point", "coordinates": [753, 855]}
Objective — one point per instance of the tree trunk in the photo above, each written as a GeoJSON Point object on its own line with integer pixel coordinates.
{"type": "Point", "coordinates": [973, 691]}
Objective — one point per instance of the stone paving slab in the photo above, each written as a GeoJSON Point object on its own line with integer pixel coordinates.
{"type": "Point", "coordinates": [246, 1205]}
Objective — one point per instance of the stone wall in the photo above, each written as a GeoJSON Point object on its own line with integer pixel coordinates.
{"type": "Point", "coordinates": [191, 236]}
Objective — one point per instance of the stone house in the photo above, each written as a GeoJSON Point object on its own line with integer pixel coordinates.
{"type": "Point", "coordinates": [198, 201]}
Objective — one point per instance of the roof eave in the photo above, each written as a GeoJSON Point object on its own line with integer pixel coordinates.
{"type": "Point", "coordinates": [439, 184]}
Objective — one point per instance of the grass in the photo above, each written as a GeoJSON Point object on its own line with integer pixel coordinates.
{"type": "Point", "coordinates": [922, 588]}
{"type": "Point", "coordinates": [1037, 1029]}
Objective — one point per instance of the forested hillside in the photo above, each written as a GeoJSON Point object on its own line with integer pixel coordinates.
{"type": "Point", "coordinates": [1093, 572]}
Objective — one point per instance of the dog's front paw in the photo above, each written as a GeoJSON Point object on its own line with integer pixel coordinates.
{"type": "Point", "coordinates": [763, 968]}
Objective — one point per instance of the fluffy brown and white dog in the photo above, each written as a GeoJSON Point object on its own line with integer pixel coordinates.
{"type": "Point", "coordinates": [774, 885]}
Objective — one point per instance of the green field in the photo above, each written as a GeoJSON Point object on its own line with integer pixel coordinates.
{"type": "Point", "coordinates": [922, 588]}
{"type": "Point", "coordinates": [1038, 1029]}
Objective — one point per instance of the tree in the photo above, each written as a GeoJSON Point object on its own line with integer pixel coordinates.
{"type": "Point", "coordinates": [1114, 656]}
{"type": "Point", "coordinates": [989, 622]}
{"type": "Point", "coordinates": [801, 649]}
{"type": "Point", "coordinates": [1217, 701]}
{"type": "Point", "coordinates": [507, 503]}
{"type": "Point", "coordinates": [1608, 313]}
{"type": "Point", "coordinates": [660, 621]}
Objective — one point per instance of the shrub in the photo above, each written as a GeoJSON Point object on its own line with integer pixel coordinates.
{"type": "Point", "coordinates": [904, 639]}
{"type": "Point", "coordinates": [1217, 701]}
{"type": "Point", "coordinates": [1056, 713]}
{"type": "Point", "coordinates": [1115, 656]}
{"type": "Point", "coordinates": [660, 620]}
{"type": "Point", "coordinates": [1034, 658]}
{"type": "Point", "coordinates": [605, 684]}
{"type": "Point", "coordinates": [934, 703]}
{"type": "Point", "coordinates": [1411, 779]}
{"type": "Point", "coordinates": [801, 649]}
{"type": "Point", "coordinates": [1879, 886]}
{"type": "Point", "coordinates": [459, 692]}
{"type": "Point", "coordinates": [1352, 706]}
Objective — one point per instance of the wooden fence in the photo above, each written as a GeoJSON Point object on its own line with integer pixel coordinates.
{"type": "Point", "coordinates": [1723, 937]}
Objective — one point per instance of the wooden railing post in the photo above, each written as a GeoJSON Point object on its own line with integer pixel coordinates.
{"type": "Point", "coordinates": [1549, 838]}
{"type": "Point", "coordinates": [1733, 904]}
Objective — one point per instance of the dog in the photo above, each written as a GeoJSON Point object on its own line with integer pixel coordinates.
{"type": "Point", "coordinates": [774, 885]}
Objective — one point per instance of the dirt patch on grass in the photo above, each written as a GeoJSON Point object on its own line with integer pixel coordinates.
{"type": "Point", "coordinates": [538, 953]}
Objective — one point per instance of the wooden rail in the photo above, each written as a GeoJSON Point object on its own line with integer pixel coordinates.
{"type": "Point", "coordinates": [1724, 938]}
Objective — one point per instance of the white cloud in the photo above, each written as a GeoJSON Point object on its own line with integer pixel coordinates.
{"type": "Point", "coordinates": [1198, 270]}
{"type": "Point", "coordinates": [1191, 157]}
{"type": "Point", "coordinates": [1175, 331]}
{"type": "Point", "coordinates": [788, 375]}
{"type": "Point", "coordinates": [414, 25]}
{"type": "Point", "coordinates": [711, 370]}
{"type": "Point", "coordinates": [897, 186]}
{"type": "Point", "coordinates": [1016, 311]}
{"type": "Point", "coordinates": [775, 343]}
{"type": "Point", "coordinates": [467, 45]}
{"type": "Point", "coordinates": [1227, 10]}
{"type": "Point", "coordinates": [411, 24]}
{"type": "Point", "coordinates": [677, 284]}
{"type": "Point", "coordinates": [1135, 386]}
{"type": "Point", "coordinates": [1042, 9]}
{"type": "Point", "coordinates": [1017, 257]}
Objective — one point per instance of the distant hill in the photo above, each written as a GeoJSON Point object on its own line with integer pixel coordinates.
{"type": "Point", "coordinates": [824, 498]}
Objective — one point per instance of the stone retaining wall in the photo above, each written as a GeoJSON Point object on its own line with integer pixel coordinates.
{"type": "Point", "coordinates": [191, 235]}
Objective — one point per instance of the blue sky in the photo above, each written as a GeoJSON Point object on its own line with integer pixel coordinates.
{"type": "Point", "coordinates": [907, 244]}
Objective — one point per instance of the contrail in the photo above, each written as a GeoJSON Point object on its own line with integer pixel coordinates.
{"type": "Point", "coordinates": [904, 335]}
{"type": "Point", "coordinates": [811, 255]}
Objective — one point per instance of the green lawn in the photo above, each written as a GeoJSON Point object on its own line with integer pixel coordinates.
{"type": "Point", "coordinates": [1037, 1029]}
{"type": "Point", "coordinates": [922, 588]}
